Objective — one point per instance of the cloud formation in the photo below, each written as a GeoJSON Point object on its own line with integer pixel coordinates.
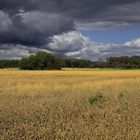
{"type": "Point", "coordinates": [48, 24]}
{"type": "Point", "coordinates": [11, 51]}
{"type": "Point", "coordinates": [32, 28]}
{"type": "Point", "coordinates": [5, 22]}
{"type": "Point", "coordinates": [76, 45]}
{"type": "Point", "coordinates": [68, 42]}
{"type": "Point", "coordinates": [100, 25]}
{"type": "Point", "coordinates": [73, 45]}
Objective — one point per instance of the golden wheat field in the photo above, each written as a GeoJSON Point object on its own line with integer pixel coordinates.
{"type": "Point", "coordinates": [70, 105]}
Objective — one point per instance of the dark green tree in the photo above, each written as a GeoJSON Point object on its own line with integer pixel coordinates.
{"type": "Point", "coordinates": [42, 61]}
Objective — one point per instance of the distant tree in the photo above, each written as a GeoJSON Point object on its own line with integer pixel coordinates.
{"type": "Point", "coordinates": [124, 62]}
{"type": "Point", "coordinates": [47, 61]}
{"type": "Point", "coordinates": [28, 63]}
{"type": "Point", "coordinates": [74, 63]}
{"type": "Point", "coordinates": [9, 64]}
{"type": "Point", "coordinates": [41, 61]}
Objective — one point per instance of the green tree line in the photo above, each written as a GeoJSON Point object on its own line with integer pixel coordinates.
{"type": "Point", "coordinates": [123, 62]}
{"type": "Point", "coordinates": [9, 63]}
{"type": "Point", "coordinates": [44, 61]}
{"type": "Point", "coordinates": [47, 61]}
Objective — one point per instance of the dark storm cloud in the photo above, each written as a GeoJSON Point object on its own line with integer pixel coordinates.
{"type": "Point", "coordinates": [78, 9]}
{"type": "Point", "coordinates": [33, 22]}
{"type": "Point", "coordinates": [33, 28]}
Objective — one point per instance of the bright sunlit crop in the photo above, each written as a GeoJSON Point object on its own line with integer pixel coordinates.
{"type": "Point", "coordinates": [70, 105]}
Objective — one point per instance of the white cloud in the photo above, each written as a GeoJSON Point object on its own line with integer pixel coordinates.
{"type": "Point", "coordinates": [133, 43]}
{"type": "Point", "coordinates": [75, 45]}
{"type": "Point", "coordinates": [71, 41]}
{"type": "Point", "coordinates": [10, 51]}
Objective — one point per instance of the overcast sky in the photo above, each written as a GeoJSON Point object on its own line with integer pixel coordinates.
{"type": "Point", "coordinates": [82, 29]}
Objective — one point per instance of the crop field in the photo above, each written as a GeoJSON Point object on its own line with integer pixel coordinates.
{"type": "Point", "coordinates": [70, 105]}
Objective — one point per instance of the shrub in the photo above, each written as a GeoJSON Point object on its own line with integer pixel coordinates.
{"type": "Point", "coordinates": [120, 97]}
{"type": "Point", "coordinates": [94, 99]}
